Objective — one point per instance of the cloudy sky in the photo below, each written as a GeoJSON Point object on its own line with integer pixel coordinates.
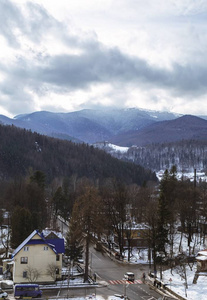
{"type": "Point", "coordinates": [66, 55]}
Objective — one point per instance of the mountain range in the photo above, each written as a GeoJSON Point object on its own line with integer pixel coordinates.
{"type": "Point", "coordinates": [186, 127]}
{"type": "Point", "coordinates": [154, 140]}
{"type": "Point", "coordinates": [124, 127]}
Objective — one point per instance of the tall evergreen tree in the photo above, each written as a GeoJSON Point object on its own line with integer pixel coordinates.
{"type": "Point", "coordinates": [21, 225]}
{"type": "Point", "coordinates": [167, 199]}
{"type": "Point", "coordinates": [74, 248]}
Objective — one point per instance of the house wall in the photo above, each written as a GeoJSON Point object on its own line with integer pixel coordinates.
{"type": "Point", "coordinates": [59, 266]}
{"type": "Point", "coordinates": [39, 257]}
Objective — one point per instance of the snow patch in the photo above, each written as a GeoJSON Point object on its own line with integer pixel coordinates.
{"type": "Point", "coordinates": [118, 148]}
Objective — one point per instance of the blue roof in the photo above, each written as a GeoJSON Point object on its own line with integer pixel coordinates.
{"type": "Point", "coordinates": [25, 242]}
{"type": "Point", "coordinates": [57, 245]}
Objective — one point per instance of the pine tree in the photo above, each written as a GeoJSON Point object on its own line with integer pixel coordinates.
{"type": "Point", "coordinates": [167, 197]}
{"type": "Point", "coordinates": [21, 225]}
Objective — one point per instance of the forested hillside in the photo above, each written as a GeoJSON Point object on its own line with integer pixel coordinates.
{"type": "Point", "coordinates": [21, 149]}
{"type": "Point", "coordinates": [186, 155]}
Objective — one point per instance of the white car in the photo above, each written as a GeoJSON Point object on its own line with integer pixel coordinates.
{"type": "Point", "coordinates": [129, 276]}
{"type": "Point", "coordinates": [3, 294]}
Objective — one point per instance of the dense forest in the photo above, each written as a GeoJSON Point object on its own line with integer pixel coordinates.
{"type": "Point", "coordinates": [169, 213]}
{"type": "Point", "coordinates": [187, 155]}
{"type": "Point", "coordinates": [21, 150]}
{"type": "Point", "coordinates": [40, 176]}
{"type": "Point", "coordinates": [43, 179]}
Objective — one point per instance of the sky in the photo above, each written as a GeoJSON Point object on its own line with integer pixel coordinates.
{"type": "Point", "coordinates": [68, 55]}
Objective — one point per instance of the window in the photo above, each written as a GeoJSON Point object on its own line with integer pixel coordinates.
{"type": "Point", "coordinates": [45, 248]}
{"type": "Point", "coordinates": [57, 271]}
{"type": "Point", "coordinates": [26, 248]}
{"type": "Point", "coordinates": [24, 260]}
{"type": "Point", "coordinates": [24, 274]}
{"type": "Point", "coordinates": [57, 257]}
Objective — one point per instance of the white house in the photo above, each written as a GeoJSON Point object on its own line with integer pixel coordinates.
{"type": "Point", "coordinates": [38, 258]}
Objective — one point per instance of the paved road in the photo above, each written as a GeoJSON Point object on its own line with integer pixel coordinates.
{"type": "Point", "coordinates": [109, 274]}
{"type": "Point", "coordinates": [112, 271]}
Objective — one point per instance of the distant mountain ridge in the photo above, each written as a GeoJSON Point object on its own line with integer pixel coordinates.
{"type": "Point", "coordinates": [88, 125]}
{"type": "Point", "coordinates": [155, 140]}
{"type": "Point", "coordinates": [124, 127]}
{"type": "Point", "coordinates": [186, 127]}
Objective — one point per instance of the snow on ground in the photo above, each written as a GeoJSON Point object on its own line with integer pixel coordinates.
{"type": "Point", "coordinates": [111, 147]}
{"type": "Point", "coordinates": [93, 297]}
{"type": "Point", "coordinates": [174, 279]}
{"type": "Point", "coordinates": [118, 148]}
{"type": "Point", "coordinates": [194, 291]}
{"type": "Point", "coordinates": [187, 175]}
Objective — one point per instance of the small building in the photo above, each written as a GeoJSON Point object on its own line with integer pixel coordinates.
{"type": "Point", "coordinates": [201, 259]}
{"type": "Point", "coordinates": [138, 235]}
{"type": "Point", "coordinates": [38, 258]}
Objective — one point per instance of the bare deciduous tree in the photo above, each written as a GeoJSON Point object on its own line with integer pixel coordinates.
{"type": "Point", "coordinates": [32, 274]}
{"type": "Point", "coordinates": [86, 218]}
{"type": "Point", "coordinates": [51, 270]}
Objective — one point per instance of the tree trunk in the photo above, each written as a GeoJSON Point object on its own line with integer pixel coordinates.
{"type": "Point", "coordinates": [86, 258]}
{"type": "Point", "coordinates": [129, 248]}
{"type": "Point", "coordinates": [180, 245]}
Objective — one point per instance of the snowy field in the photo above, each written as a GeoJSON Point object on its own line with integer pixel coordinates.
{"type": "Point", "coordinates": [194, 291]}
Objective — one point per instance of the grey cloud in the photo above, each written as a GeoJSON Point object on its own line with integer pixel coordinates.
{"type": "Point", "coordinates": [111, 66]}
{"type": "Point", "coordinates": [14, 97]}
{"type": "Point", "coordinates": [96, 64]}
{"type": "Point", "coordinates": [39, 23]}
{"type": "Point", "coordinates": [10, 18]}
{"type": "Point", "coordinates": [34, 26]}
{"type": "Point", "coordinates": [69, 72]}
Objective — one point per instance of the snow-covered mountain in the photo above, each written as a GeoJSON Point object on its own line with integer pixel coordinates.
{"type": "Point", "coordinates": [88, 125]}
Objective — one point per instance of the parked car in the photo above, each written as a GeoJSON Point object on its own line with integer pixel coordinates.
{"type": "Point", "coordinates": [129, 276]}
{"type": "Point", "coordinates": [81, 261]}
{"type": "Point", "coordinates": [3, 294]}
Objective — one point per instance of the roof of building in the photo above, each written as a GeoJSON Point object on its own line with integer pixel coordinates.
{"type": "Point", "coordinates": [57, 245]}
{"type": "Point", "coordinates": [203, 252]}
{"type": "Point", "coordinates": [201, 257]}
{"type": "Point", "coordinates": [50, 233]}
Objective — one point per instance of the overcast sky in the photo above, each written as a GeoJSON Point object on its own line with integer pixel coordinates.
{"type": "Point", "coordinates": [66, 55]}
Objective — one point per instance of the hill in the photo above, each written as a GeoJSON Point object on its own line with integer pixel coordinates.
{"type": "Point", "coordinates": [181, 142]}
{"type": "Point", "coordinates": [187, 155]}
{"type": "Point", "coordinates": [87, 125]}
{"type": "Point", "coordinates": [21, 149]}
{"type": "Point", "coordinates": [183, 128]}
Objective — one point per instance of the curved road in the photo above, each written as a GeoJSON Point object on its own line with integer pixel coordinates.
{"type": "Point", "coordinates": [108, 271]}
